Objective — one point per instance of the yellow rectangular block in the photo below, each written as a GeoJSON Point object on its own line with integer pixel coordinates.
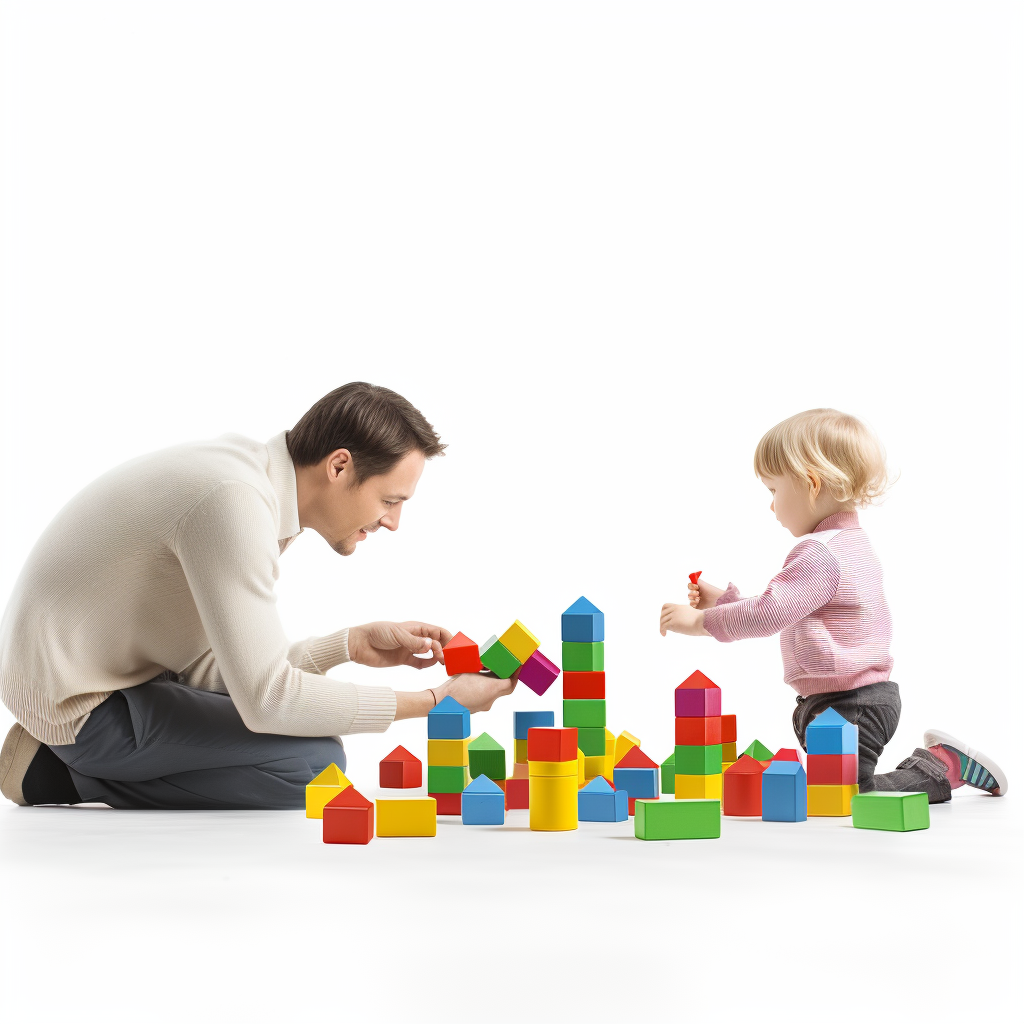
{"type": "Point", "coordinates": [553, 768]}
{"type": "Point", "coordinates": [609, 755]}
{"type": "Point", "coordinates": [593, 766]}
{"type": "Point", "coordinates": [554, 806]}
{"type": "Point", "coordinates": [519, 642]}
{"type": "Point", "coordinates": [416, 817]}
{"type": "Point", "coordinates": [323, 789]}
{"type": "Point", "coordinates": [520, 771]}
{"type": "Point", "coordinates": [727, 764]}
{"type": "Point", "coordinates": [448, 753]}
{"type": "Point", "coordinates": [729, 752]}
{"type": "Point", "coordinates": [581, 768]}
{"type": "Point", "coordinates": [521, 757]}
{"type": "Point", "coordinates": [830, 801]}
{"type": "Point", "coordinates": [698, 787]}
{"type": "Point", "coordinates": [624, 743]}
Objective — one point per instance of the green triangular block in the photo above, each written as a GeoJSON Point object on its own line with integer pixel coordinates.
{"type": "Point", "coordinates": [485, 742]}
{"type": "Point", "coordinates": [758, 751]}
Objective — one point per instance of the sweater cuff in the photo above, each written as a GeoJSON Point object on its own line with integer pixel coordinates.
{"type": "Point", "coordinates": [327, 651]}
{"type": "Point", "coordinates": [714, 625]}
{"type": "Point", "coordinates": [376, 711]}
{"type": "Point", "coordinates": [732, 593]}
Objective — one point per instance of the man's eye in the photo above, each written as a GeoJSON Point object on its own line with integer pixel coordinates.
{"type": "Point", "coordinates": [390, 503]}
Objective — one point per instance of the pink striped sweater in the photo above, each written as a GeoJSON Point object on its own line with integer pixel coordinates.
{"type": "Point", "coordinates": [829, 606]}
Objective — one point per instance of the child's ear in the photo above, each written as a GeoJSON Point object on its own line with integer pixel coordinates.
{"type": "Point", "coordinates": [815, 484]}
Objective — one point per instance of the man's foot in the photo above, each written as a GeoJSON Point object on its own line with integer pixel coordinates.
{"type": "Point", "coordinates": [967, 766]}
{"type": "Point", "coordinates": [31, 773]}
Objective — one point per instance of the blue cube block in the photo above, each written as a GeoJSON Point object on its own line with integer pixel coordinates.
{"type": "Point", "coordinates": [597, 801]}
{"type": "Point", "coordinates": [448, 721]}
{"type": "Point", "coordinates": [524, 721]}
{"type": "Point", "coordinates": [639, 783]}
{"type": "Point", "coordinates": [582, 623]}
{"type": "Point", "coordinates": [784, 792]}
{"type": "Point", "coordinates": [830, 733]}
{"type": "Point", "coordinates": [483, 803]}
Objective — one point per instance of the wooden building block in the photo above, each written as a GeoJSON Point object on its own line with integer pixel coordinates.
{"type": "Point", "coordinates": [453, 753]}
{"type": "Point", "coordinates": [698, 697]}
{"type": "Point", "coordinates": [729, 751]}
{"type": "Point", "coordinates": [486, 757]}
{"type": "Point", "coordinates": [583, 686]}
{"type": "Point", "coordinates": [461, 655]}
{"type": "Point", "coordinates": [741, 788]}
{"type": "Point", "coordinates": [598, 801]}
{"type": "Point", "coordinates": [552, 744]}
{"type": "Point", "coordinates": [697, 787]}
{"type": "Point", "coordinates": [830, 801]}
{"type": "Point", "coordinates": [624, 743]}
{"type": "Point", "coordinates": [446, 778]}
{"type": "Point", "coordinates": [497, 658]}
{"type": "Point", "coordinates": [591, 741]}
{"type": "Point", "coordinates": [728, 728]}
{"type": "Point", "coordinates": [638, 782]}
{"type": "Point", "coordinates": [759, 752]}
{"type": "Point", "coordinates": [581, 769]}
{"type": "Point", "coordinates": [553, 803]}
{"type": "Point", "coordinates": [538, 673]}
{"type": "Point", "coordinates": [348, 818]}
{"type": "Point", "coordinates": [701, 731]}
{"type": "Point", "coordinates": [521, 770]}
{"type": "Point", "coordinates": [890, 812]}
{"type": "Point", "coordinates": [584, 714]}
{"type": "Point", "coordinates": [668, 773]}
{"type": "Point", "coordinates": [593, 766]}
{"type": "Point", "coordinates": [631, 802]}
{"type": "Point", "coordinates": [524, 721]}
{"type": "Point", "coordinates": [483, 803]}
{"type": "Point", "coordinates": [636, 758]}
{"type": "Point", "coordinates": [583, 657]}
{"type": "Point", "coordinates": [519, 642]}
{"type": "Point", "coordinates": [609, 754]}
{"type": "Point", "coordinates": [522, 755]}
{"type": "Point", "coordinates": [832, 769]}
{"type": "Point", "coordinates": [677, 819]}
{"type": "Point", "coordinates": [554, 768]}
{"type": "Point", "coordinates": [830, 733]}
{"type": "Point", "coordinates": [323, 789]}
{"type": "Point", "coordinates": [448, 803]}
{"type": "Point", "coordinates": [517, 794]}
{"type": "Point", "coordinates": [706, 760]}
{"type": "Point", "coordinates": [407, 817]}
{"type": "Point", "coordinates": [784, 792]}
{"type": "Point", "coordinates": [786, 754]}
{"type": "Point", "coordinates": [583, 622]}
{"type": "Point", "coordinates": [401, 770]}
{"type": "Point", "coordinates": [448, 721]}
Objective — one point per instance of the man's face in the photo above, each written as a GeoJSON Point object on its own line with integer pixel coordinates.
{"type": "Point", "coordinates": [355, 510]}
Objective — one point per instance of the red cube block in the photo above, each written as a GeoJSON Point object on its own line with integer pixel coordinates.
{"type": "Point", "coordinates": [517, 794]}
{"type": "Point", "coordinates": [552, 744]}
{"type": "Point", "coordinates": [348, 818]}
{"type": "Point", "coordinates": [583, 686]}
{"type": "Point", "coordinates": [461, 655]}
{"type": "Point", "coordinates": [741, 788]}
{"type": "Point", "coordinates": [401, 770]}
{"type": "Point", "coordinates": [728, 728]}
{"type": "Point", "coordinates": [831, 769]}
{"type": "Point", "coordinates": [699, 732]}
{"type": "Point", "coordinates": [448, 803]}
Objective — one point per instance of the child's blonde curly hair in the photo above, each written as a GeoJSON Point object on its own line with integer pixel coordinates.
{"type": "Point", "coordinates": [835, 446]}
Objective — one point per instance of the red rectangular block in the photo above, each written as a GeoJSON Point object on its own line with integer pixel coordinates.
{"type": "Point", "coordinates": [583, 685]}
{"type": "Point", "coordinates": [448, 803]}
{"type": "Point", "coordinates": [698, 732]}
{"type": "Point", "coordinates": [831, 769]}
{"type": "Point", "coordinates": [728, 728]}
{"type": "Point", "coordinates": [552, 744]}
{"type": "Point", "coordinates": [632, 802]}
{"type": "Point", "coordinates": [517, 794]}
{"type": "Point", "coordinates": [348, 818]}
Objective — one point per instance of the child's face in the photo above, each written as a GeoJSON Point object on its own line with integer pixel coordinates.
{"type": "Point", "coordinates": [792, 503]}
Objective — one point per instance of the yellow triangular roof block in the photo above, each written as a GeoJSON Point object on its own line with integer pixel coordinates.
{"type": "Point", "coordinates": [323, 789]}
{"type": "Point", "coordinates": [332, 775]}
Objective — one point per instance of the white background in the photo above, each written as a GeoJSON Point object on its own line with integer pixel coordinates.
{"type": "Point", "coordinates": [604, 248]}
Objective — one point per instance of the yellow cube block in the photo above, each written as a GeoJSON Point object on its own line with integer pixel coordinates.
{"type": "Point", "coordinates": [554, 806]}
{"type": "Point", "coordinates": [521, 746]}
{"type": "Point", "coordinates": [553, 768]}
{"type": "Point", "coordinates": [609, 755]}
{"type": "Point", "coordinates": [448, 753]}
{"type": "Point", "coordinates": [727, 764]}
{"type": "Point", "coordinates": [729, 752]}
{"type": "Point", "coordinates": [520, 770]}
{"type": "Point", "coordinates": [416, 817]}
{"type": "Point", "coordinates": [519, 642]}
{"type": "Point", "coordinates": [323, 789]}
{"type": "Point", "coordinates": [593, 766]}
{"type": "Point", "coordinates": [830, 801]}
{"type": "Point", "coordinates": [698, 787]}
{"type": "Point", "coordinates": [581, 768]}
{"type": "Point", "coordinates": [624, 743]}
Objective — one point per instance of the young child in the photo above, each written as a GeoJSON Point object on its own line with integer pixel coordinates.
{"type": "Point", "coordinates": [828, 604]}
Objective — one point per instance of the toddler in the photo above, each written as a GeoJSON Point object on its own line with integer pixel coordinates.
{"type": "Point", "coordinates": [828, 605]}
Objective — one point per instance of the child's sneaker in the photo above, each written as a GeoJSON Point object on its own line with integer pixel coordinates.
{"type": "Point", "coordinates": [966, 766]}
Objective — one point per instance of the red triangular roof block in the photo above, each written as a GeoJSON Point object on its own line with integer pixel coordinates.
{"type": "Point", "coordinates": [697, 681]}
{"type": "Point", "coordinates": [459, 640]}
{"type": "Point", "coordinates": [786, 754]}
{"type": "Point", "coordinates": [400, 754]}
{"type": "Point", "coordinates": [636, 758]}
{"type": "Point", "coordinates": [746, 765]}
{"type": "Point", "coordinates": [350, 797]}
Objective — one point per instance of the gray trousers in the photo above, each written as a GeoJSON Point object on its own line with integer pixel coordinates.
{"type": "Point", "coordinates": [875, 710]}
{"type": "Point", "coordinates": [163, 745]}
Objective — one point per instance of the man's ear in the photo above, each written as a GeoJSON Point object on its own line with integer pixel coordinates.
{"type": "Point", "coordinates": [339, 464]}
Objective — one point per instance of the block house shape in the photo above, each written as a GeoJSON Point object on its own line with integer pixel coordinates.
{"type": "Point", "coordinates": [583, 686]}
{"type": "Point", "coordinates": [486, 757]}
{"type": "Point", "coordinates": [552, 744]}
{"type": "Point", "coordinates": [699, 731]}
{"type": "Point", "coordinates": [698, 697]}
{"type": "Point", "coordinates": [832, 769]}
{"type": "Point", "coordinates": [582, 657]}
{"type": "Point", "coordinates": [538, 673]}
{"type": "Point", "coordinates": [583, 623]}
{"type": "Point", "coordinates": [524, 721]}
{"type": "Point", "coordinates": [448, 721]}
{"type": "Point", "coordinates": [497, 658]}
{"type": "Point", "coordinates": [483, 803]}
{"type": "Point", "coordinates": [461, 655]}
{"type": "Point", "coordinates": [321, 790]}
{"type": "Point", "coordinates": [348, 818]}
{"type": "Point", "coordinates": [784, 792]}
{"type": "Point", "coordinates": [519, 642]}
{"type": "Point", "coordinates": [584, 714]}
{"type": "Point", "coordinates": [598, 801]}
{"type": "Point", "coordinates": [677, 819]}
{"type": "Point", "coordinates": [830, 733]}
{"type": "Point", "coordinates": [741, 788]}
{"type": "Point", "coordinates": [401, 770]}
{"type": "Point", "coordinates": [759, 752]}
{"type": "Point", "coordinates": [407, 817]}
{"type": "Point", "coordinates": [890, 812]}
{"type": "Point", "coordinates": [447, 803]}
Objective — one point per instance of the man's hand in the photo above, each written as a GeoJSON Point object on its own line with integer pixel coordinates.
{"type": "Point", "coordinates": [703, 595]}
{"type": "Point", "coordinates": [681, 618]}
{"type": "Point", "coordinates": [386, 644]}
{"type": "Point", "coordinates": [476, 691]}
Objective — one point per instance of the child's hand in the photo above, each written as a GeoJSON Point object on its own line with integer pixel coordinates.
{"type": "Point", "coordinates": [678, 618]}
{"type": "Point", "coordinates": [703, 594]}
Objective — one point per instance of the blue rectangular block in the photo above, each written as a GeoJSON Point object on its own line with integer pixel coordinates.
{"type": "Point", "coordinates": [597, 801]}
{"type": "Point", "coordinates": [784, 792]}
{"type": "Point", "coordinates": [830, 733]}
{"type": "Point", "coordinates": [523, 721]}
{"type": "Point", "coordinates": [639, 783]}
{"type": "Point", "coordinates": [448, 721]}
{"type": "Point", "coordinates": [582, 623]}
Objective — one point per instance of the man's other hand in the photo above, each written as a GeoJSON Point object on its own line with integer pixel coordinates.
{"type": "Point", "coordinates": [386, 644]}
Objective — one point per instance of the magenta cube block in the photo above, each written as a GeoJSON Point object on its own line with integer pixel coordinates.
{"type": "Point", "coordinates": [698, 703]}
{"type": "Point", "coordinates": [538, 672]}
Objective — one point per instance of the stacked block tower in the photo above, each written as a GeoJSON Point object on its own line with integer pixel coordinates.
{"type": "Point", "coordinates": [831, 743]}
{"type": "Point", "coordinates": [447, 755]}
{"type": "Point", "coordinates": [517, 788]}
{"type": "Point", "coordinates": [583, 686]}
{"type": "Point", "coordinates": [554, 788]}
{"type": "Point", "coordinates": [698, 754]}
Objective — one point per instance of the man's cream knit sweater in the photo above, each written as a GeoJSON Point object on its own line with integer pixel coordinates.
{"type": "Point", "coordinates": [169, 562]}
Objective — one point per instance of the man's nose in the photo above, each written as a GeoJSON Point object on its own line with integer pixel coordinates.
{"type": "Point", "coordinates": [390, 521]}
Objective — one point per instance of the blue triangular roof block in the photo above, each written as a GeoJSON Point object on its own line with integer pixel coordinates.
{"type": "Point", "coordinates": [830, 733]}
{"type": "Point", "coordinates": [447, 706]}
{"type": "Point", "coordinates": [598, 785]}
{"type": "Point", "coordinates": [583, 607]}
{"type": "Point", "coordinates": [482, 784]}
{"type": "Point", "coordinates": [448, 721]}
{"type": "Point", "coordinates": [784, 768]}
{"type": "Point", "coordinates": [583, 623]}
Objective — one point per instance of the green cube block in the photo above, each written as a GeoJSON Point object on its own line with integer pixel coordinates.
{"type": "Point", "coordinates": [584, 714]}
{"type": "Point", "coordinates": [699, 760]}
{"type": "Point", "coordinates": [486, 757]}
{"type": "Point", "coordinates": [668, 775]}
{"type": "Point", "coordinates": [499, 659]}
{"type": "Point", "coordinates": [442, 778]}
{"type": "Point", "coordinates": [890, 812]}
{"type": "Point", "coordinates": [590, 741]}
{"type": "Point", "coordinates": [677, 819]}
{"type": "Point", "coordinates": [582, 657]}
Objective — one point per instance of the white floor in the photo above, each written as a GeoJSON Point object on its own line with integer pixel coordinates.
{"type": "Point", "coordinates": [113, 915]}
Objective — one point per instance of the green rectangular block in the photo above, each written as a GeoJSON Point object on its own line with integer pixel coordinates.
{"type": "Point", "coordinates": [500, 660]}
{"type": "Point", "coordinates": [582, 657]}
{"type": "Point", "coordinates": [677, 819]}
{"type": "Point", "coordinates": [668, 775]}
{"type": "Point", "coordinates": [890, 812]}
{"type": "Point", "coordinates": [699, 760]}
{"type": "Point", "coordinates": [590, 741]}
{"type": "Point", "coordinates": [584, 714]}
{"type": "Point", "coordinates": [443, 778]}
{"type": "Point", "coordinates": [483, 762]}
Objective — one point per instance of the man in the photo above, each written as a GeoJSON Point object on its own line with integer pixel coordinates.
{"type": "Point", "coordinates": [142, 653]}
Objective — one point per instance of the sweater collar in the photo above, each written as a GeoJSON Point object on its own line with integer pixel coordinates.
{"type": "Point", "coordinates": [838, 521]}
{"type": "Point", "coordinates": [281, 471]}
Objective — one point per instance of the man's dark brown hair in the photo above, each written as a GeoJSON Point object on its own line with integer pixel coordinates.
{"type": "Point", "coordinates": [376, 425]}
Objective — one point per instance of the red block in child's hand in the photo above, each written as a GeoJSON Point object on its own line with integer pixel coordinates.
{"type": "Point", "coordinates": [552, 744]}
{"type": "Point", "coordinates": [348, 818]}
{"type": "Point", "coordinates": [461, 655]}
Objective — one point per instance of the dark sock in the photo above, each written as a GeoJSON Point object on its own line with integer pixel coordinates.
{"type": "Point", "coordinates": [48, 780]}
